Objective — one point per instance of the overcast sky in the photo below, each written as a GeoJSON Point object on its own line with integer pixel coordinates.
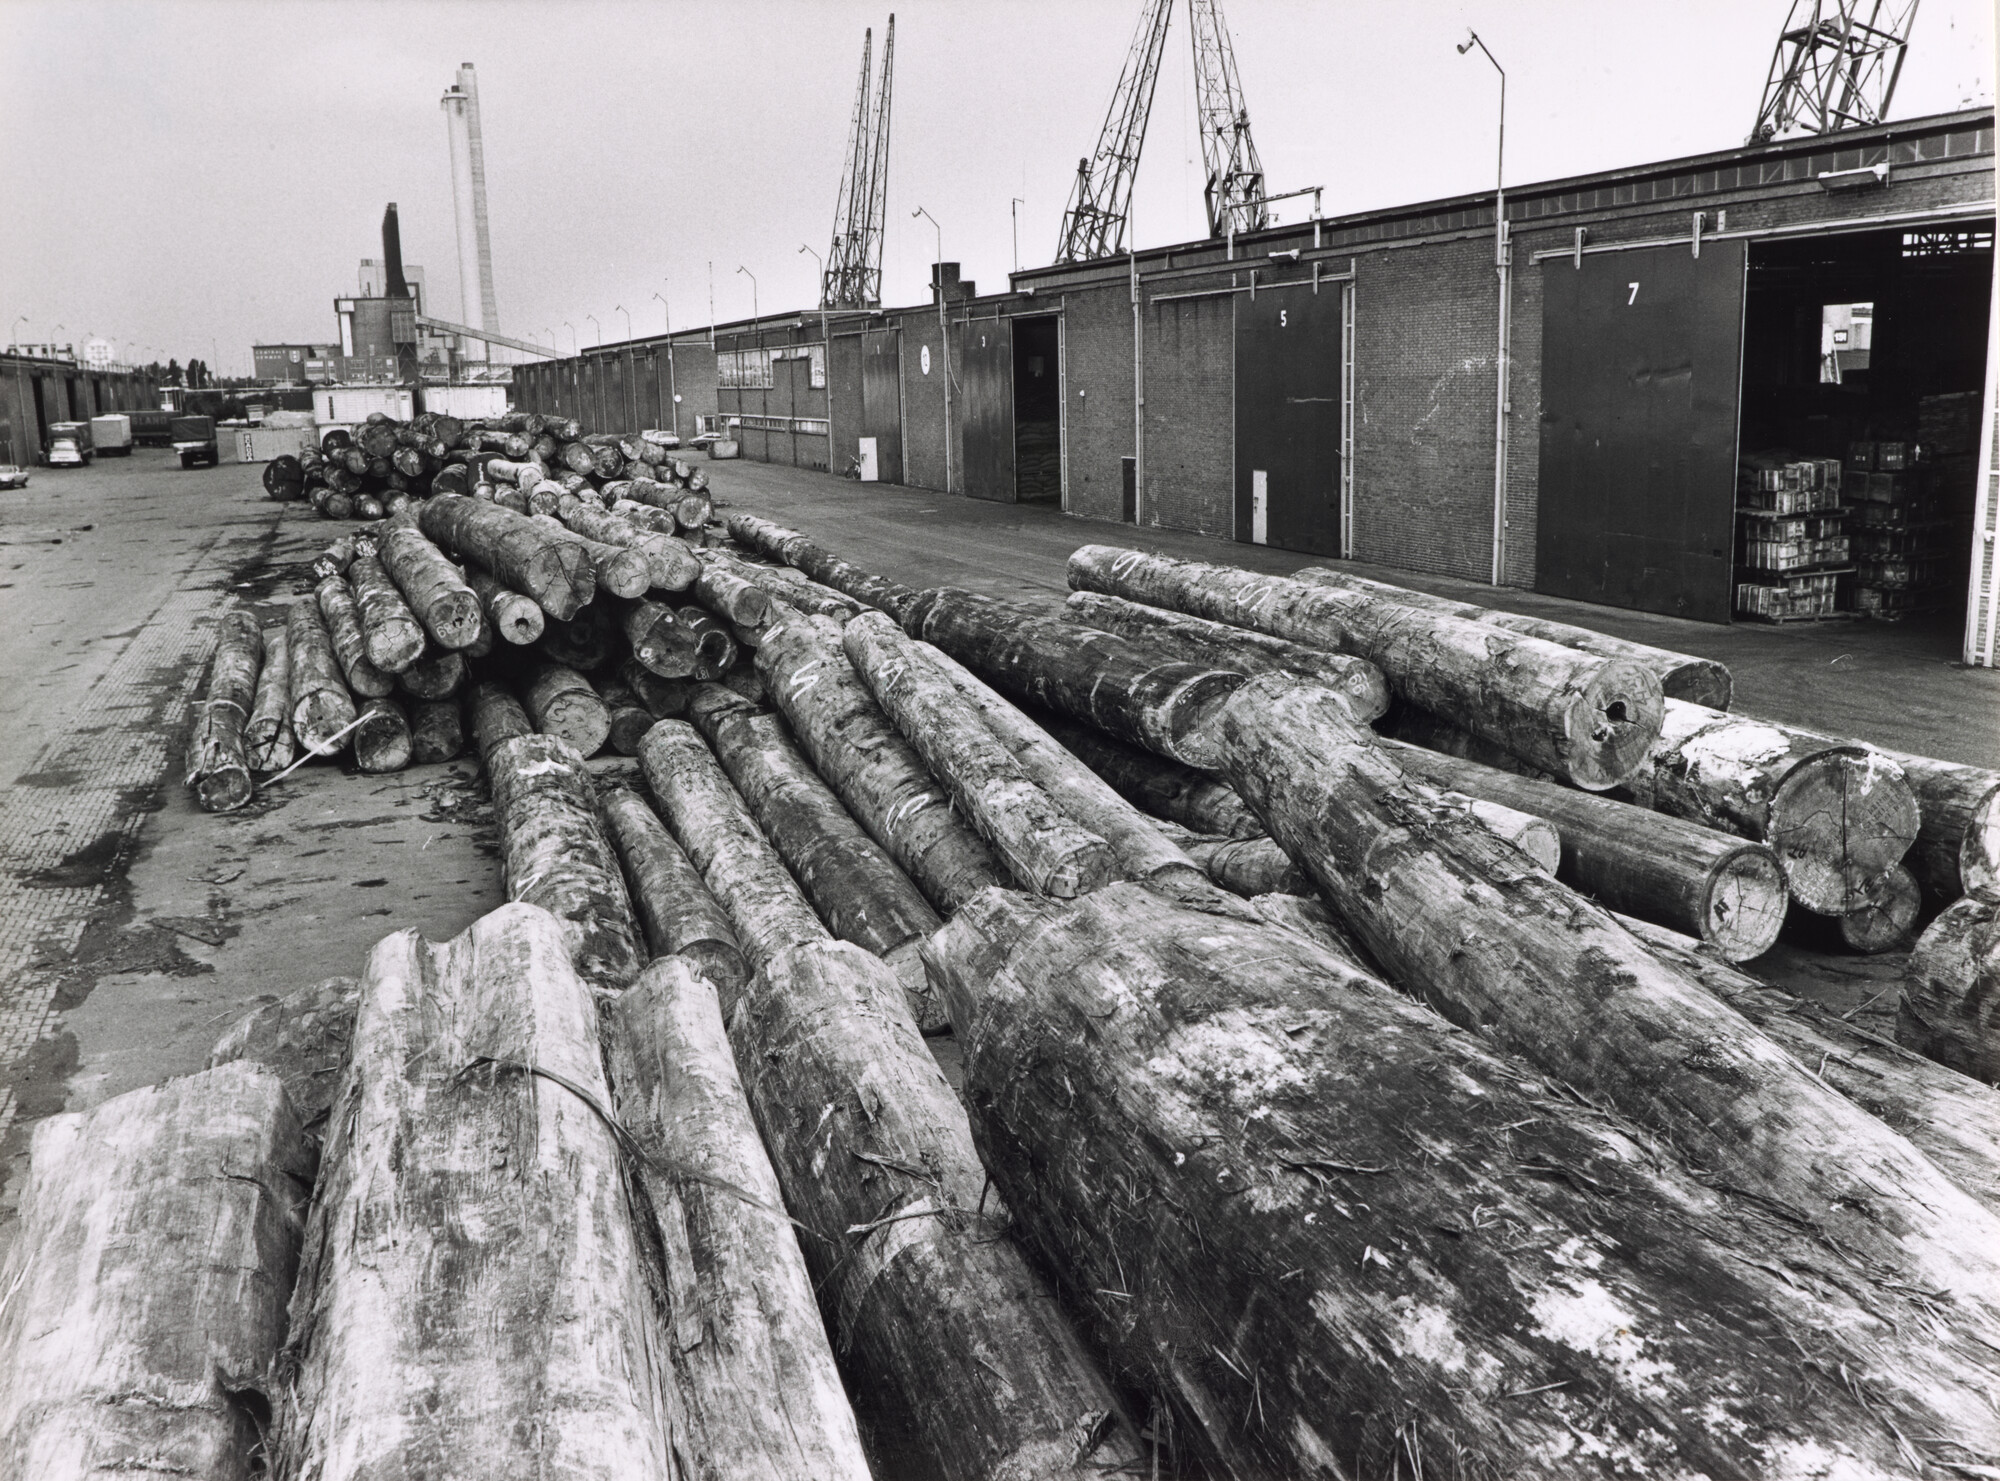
{"type": "Point", "coordinates": [177, 173]}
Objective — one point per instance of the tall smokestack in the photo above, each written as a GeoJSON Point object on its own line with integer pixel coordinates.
{"type": "Point", "coordinates": [395, 285]}
{"type": "Point", "coordinates": [468, 193]}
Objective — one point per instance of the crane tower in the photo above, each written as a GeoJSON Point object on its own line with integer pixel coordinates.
{"type": "Point", "coordinates": [854, 262]}
{"type": "Point", "coordinates": [1835, 66]}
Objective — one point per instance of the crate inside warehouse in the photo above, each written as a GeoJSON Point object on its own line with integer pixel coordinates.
{"type": "Point", "coordinates": [1792, 538]}
{"type": "Point", "coordinates": [1909, 500]}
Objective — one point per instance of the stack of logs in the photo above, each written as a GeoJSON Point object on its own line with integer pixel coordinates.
{"type": "Point", "coordinates": [383, 465]}
{"type": "Point", "coordinates": [1465, 1147]}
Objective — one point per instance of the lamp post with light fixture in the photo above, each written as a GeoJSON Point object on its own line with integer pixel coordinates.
{"type": "Point", "coordinates": [1502, 253]}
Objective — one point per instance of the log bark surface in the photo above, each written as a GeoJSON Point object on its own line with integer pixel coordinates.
{"type": "Point", "coordinates": [554, 855]}
{"type": "Point", "coordinates": [321, 704]}
{"type": "Point", "coordinates": [860, 753]}
{"type": "Point", "coordinates": [472, 1301]}
{"type": "Point", "coordinates": [1958, 838]}
{"type": "Point", "coordinates": [858, 890]}
{"type": "Point", "coordinates": [382, 741]}
{"type": "Point", "coordinates": [439, 674]}
{"type": "Point", "coordinates": [794, 549]}
{"type": "Point", "coordinates": [664, 699]}
{"type": "Point", "coordinates": [1540, 971]}
{"type": "Point", "coordinates": [436, 590]}
{"type": "Point", "coordinates": [621, 572]}
{"type": "Point", "coordinates": [672, 565]}
{"type": "Point", "coordinates": [754, 1368]}
{"type": "Point", "coordinates": [496, 717]}
{"type": "Point", "coordinates": [676, 910]}
{"type": "Point", "coordinates": [1951, 999]}
{"type": "Point", "coordinates": [1589, 720]}
{"type": "Point", "coordinates": [350, 645]}
{"type": "Point", "coordinates": [303, 1038]}
{"type": "Point", "coordinates": [437, 731]}
{"type": "Point", "coordinates": [1702, 681]}
{"type": "Point", "coordinates": [1131, 690]}
{"type": "Point", "coordinates": [395, 639]}
{"type": "Point", "coordinates": [1045, 850]}
{"type": "Point", "coordinates": [218, 765]}
{"type": "Point", "coordinates": [516, 618]}
{"type": "Point", "coordinates": [146, 1281]}
{"type": "Point", "coordinates": [1261, 1170]}
{"type": "Point", "coordinates": [1710, 885]}
{"type": "Point", "coordinates": [1218, 645]}
{"type": "Point", "coordinates": [1164, 788]}
{"type": "Point", "coordinates": [1837, 814]}
{"type": "Point", "coordinates": [521, 554]}
{"type": "Point", "coordinates": [267, 736]}
{"type": "Point", "coordinates": [561, 703]}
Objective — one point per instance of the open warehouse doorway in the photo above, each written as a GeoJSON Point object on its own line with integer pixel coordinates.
{"type": "Point", "coordinates": [1038, 403]}
{"type": "Point", "coordinates": [1864, 357]}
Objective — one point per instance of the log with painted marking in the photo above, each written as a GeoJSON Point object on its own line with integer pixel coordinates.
{"type": "Point", "coordinates": [665, 645]}
{"type": "Point", "coordinates": [952, 1344]}
{"type": "Point", "coordinates": [350, 645]}
{"type": "Point", "coordinates": [322, 707]}
{"type": "Point", "coordinates": [673, 566]}
{"type": "Point", "coordinates": [862, 756]}
{"type": "Point", "coordinates": [1951, 997]}
{"type": "Point", "coordinates": [562, 703]}
{"type": "Point", "coordinates": [858, 890]}
{"type": "Point", "coordinates": [676, 910]}
{"type": "Point", "coordinates": [218, 765]}
{"type": "Point", "coordinates": [751, 1360]}
{"type": "Point", "coordinates": [1259, 1168]}
{"type": "Point", "coordinates": [145, 1281]}
{"type": "Point", "coordinates": [1958, 838]}
{"type": "Point", "coordinates": [267, 736]}
{"type": "Point", "coordinates": [1589, 720]}
{"type": "Point", "coordinates": [527, 557]}
{"type": "Point", "coordinates": [554, 854]}
{"type": "Point", "coordinates": [1714, 886]}
{"type": "Point", "coordinates": [802, 594]}
{"type": "Point", "coordinates": [438, 674]}
{"type": "Point", "coordinates": [1448, 912]}
{"type": "Point", "coordinates": [394, 637]}
{"type": "Point", "coordinates": [1702, 681]}
{"type": "Point", "coordinates": [1198, 640]}
{"type": "Point", "coordinates": [473, 1298]}
{"type": "Point", "coordinates": [516, 619]}
{"type": "Point", "coordinates": [794, 549]}
{"type": "Point", "coordinates": [620, 571]}
{"type": "Point", "coordinates": [1837, 814]}
{"type": "Point", "coordinates": [437, 591]}
{"type": "Point", "coordinates": [1042, 846]}
{"type": "Point", "coordinates": [1130, 690]}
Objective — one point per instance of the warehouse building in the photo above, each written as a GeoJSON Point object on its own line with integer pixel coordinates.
{"type": "Point", "coordinates": [35, 392]}
{"type": "Point", "coordinates": [1744, 383]}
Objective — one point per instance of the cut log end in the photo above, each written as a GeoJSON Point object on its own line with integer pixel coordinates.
{"type": "Point", "coordinates": [1838, 822]}
{"type": "Point", "coordinates": [1744, 906]}
{"type": "Point", "coordinates": [1883, 920]}
{"type": "Point", "coordinates": [1612, 724]}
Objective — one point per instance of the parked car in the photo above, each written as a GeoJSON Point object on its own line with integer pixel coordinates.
{"type": "Point", "coordinates": [194, 440]}
{"type": "Point", "coordinates": [13, 476]}
{"type": "Point", "coordinates": [69, 445]}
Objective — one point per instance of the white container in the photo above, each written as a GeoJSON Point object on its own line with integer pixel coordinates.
{"type": "Point", "coordinates": [350, 404]}
{"type": "Point", "coordinates": [112, 432]}
{"type": "Point", "coordinates": [466, 402]}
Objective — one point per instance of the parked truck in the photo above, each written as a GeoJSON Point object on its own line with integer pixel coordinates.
{"type": "Point", "coordinates": [152, 428]}
{"type": "Point", "coordinates": [112, 434]}
{"type": "Point", "coordinates": [194, 440]}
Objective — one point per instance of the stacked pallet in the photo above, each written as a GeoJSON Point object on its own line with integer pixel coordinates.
{"type": "Point", "coordinates": [1912, 502]}
{"type": "Point", "coordinates": [1792, 537]}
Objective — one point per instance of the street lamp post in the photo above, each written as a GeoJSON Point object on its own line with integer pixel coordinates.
{"type": "Point", "coordinates": [667, 325]}
{"type": "Point", "coordinates": [944, 336]}
{"type": "Point", "coordinates": [621, 309]}
{"type": "Point", "coordinates": [666, 315]}
{"type": "Point", "coordinates": [822, 271]}
{"type": "Point", "coordinates": [1502, 263]}
{"type": "Point", "coordinates": [13, 333]}
{"type": "Point", "coordinates": [1014, 210]}
{"type": "Point", "coordinates": [756, 314]}
{"type": "Point", "coordinates": [826, 349]}
{"type": "Point", "coordinates": [598, 327]}
{"type": "Point", "coordinates": [573, 349]}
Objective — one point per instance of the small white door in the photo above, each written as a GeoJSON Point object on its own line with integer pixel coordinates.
{"type": "Point", "coordinates": [1260, 507]}
{"type": "Point", "coordinates": [868, 473]}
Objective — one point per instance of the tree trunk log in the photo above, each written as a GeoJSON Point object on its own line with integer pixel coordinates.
{"type": "Point", "coordinates": [439, 674]}
{"type": "Point", "coordinates": [1958, 840]}
{"type": "Point", "coordinates": [715, 644]}
{"type": "Point", "coordinates": [343, 625]}
{"type": "Point", "coordinates": [146, 1281]}
{"type": "Point", "coordinates": [1548, 976]}
{"type": "Point", "coordinates": [321, 704]}
{"type": "Point", "coordinates": [496, 717]}
{"type": "Point", "coordinates": [1589, 720]}
{"type": "Point", "coordinates": [859, 752]}
{"type": "Point", "coordinates": [554, 855]}
{"type": "Point", "coordinates": [1164, 788]}
{"type": "Point", "coordinates": [723, 589]}
{"type": "Point", "coordinates": [303, 1038]}
{"type": "Point", "coordinates": [382, 742]}
{"type": "Point", "coordinates": [621, 572]}
{"type": "Point", "coordinates": [473, 1299]}
{"type": "Point", "coordinates": [1836, 814]}
{"type": "Point", "coordinates": [436, 590]}
{"type": "Point", "coordinates": [218, 767]}
{"type": "Point", "coordinates": [585, 641]}
{"type": "Point", "coordinates": [1705, 884]}
{"type": "Point", "coordinates": [795, 549]}
{"type": "Point", "coordinates": [394, 637]}
{"type": "Point", "coordinates": [661, 643]}
{"type": "Point", "coordinates": [802, 594]}
{"type": "Point", "coordinates": [1702, 681]}
{"type": "Point", "coordinates": [754, 1369]}
{"type": "Point", "coordinates": [437, 731]}
{"type": "Point", "coordinates": [672, 566]}
{"type": "Point", "coordinates": [1883, 918]}
{"type": "Point", "coordinates": [1218, 645]}
{"type": "Point", "coordinates": [855, 886]}
{"type": "Point", "coordinates": [1951, 998]}
{"type": "Point", "coordinates": [629, 719]}
{"type": "Point", "coordinates": [561, 703]}
{"type": "Point", "coordinates": [268, 744]}
{"type": "Point", "coordinates": [645, 513]}
{"type": "Point", "coordinates": [1244, 866]}
{"type": "Point", "coordinates": [1130, 690]}
{"type": "Point", "coordinates": [1041, 845]}
{"type": "Point", "coordinates": [517, 619]}
{"type": "Point", "coordinates": [664, 699]}
{"type": "Point", "coordinates": [1261, 1169]}
{"type": "Point", "coordinates": [1947, 1116]}
{"type": "Point", "coordinates": [518, 552]}
{"type": "Point", "coordinates": [678, 914]}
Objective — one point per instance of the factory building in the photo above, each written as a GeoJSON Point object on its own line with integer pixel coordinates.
{"type": "Point", "coordinates": [37, 390]}
{"type": "Point", "coordinates": [1677, 335]}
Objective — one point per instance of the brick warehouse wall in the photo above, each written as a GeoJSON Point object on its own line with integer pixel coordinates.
{"type": "Point", "coordinates": [96, 393]}
{"type": "Point", "coordinates": [1190, 396]}
{"type": "Point", "coordinates": [1097, 349]}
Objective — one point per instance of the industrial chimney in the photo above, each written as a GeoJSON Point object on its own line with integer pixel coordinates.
{"type": "Point", "coordinates": [468, 194]}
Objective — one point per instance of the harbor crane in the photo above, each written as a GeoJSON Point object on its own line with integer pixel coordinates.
{"type": "Point", "coordinates": [852, 278]}
{"type": "Point", "coordinates": [1835, 66]}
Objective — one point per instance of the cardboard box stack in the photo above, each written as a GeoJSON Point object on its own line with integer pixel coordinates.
{"type": "Point", "coordinates": [1792, 537]}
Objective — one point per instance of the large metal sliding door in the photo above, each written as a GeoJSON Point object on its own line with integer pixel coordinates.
{"type": "Point", "coordinates": [882, 400]}
{"type": "Point", "coordinates": [987, 423]}
{"type": "Point", "coordinates": [1288, 418]}
{"type": "Point", "coordinates": [1642, 356]}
